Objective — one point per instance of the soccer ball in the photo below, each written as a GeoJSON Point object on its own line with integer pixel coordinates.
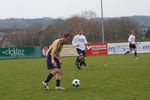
{"type": "Point", "coordinates": [76, 82]}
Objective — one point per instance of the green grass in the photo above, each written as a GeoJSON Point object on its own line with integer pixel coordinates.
{"type": "Point", "coordinates": [113, 77]}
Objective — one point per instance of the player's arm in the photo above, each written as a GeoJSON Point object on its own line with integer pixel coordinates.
{"type": "Point", "coordinates": [74, 42]}
{"type": "Point", "coordinates": [57, 53]}
{"type": "Point", "coordinates": [129, 40]}
{"type": "Point", "coordinates": [86, 42]}
{"type": "Point", "coordinates": [58, 57]}
{"type": "Point", "coordinates": [55, 46]}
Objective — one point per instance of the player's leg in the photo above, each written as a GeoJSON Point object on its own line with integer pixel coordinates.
{"type": "Point", "coordinates": [78, 63]}
{"type": "Point", "coordinates": [58, 72]}
{"type": "Point", "coordinates": [49, 66]}
{"type": "Point", "coordinates": [126, 52]}
{"type": "Point", "coordinates": [58, 79]}
{"type": "Point", "coordinates": [80, 58]}
{"type": "Point", "coordinates": [84, 63]}
{"type": "Point", "coordinates": [77, 60]}
{"type": "Point", "coordinates": [129, 51]}
{"type": "Point", "coordinates": [84, 54]}
{"type": "Point", "coordinates": [50, 76]}
{"type": "Point", "coordinates": [135, 52]}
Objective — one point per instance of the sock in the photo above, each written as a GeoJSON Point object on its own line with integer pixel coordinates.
{"type": "Point", "coordinates": [81, 63]}
{"type": "Point", "coordinates": [127, 52]}
{"type": "Point", "coordinates": [77, 59]}
{"type": "Point", "coordinates": [84, 63]}
{"type": "Point", "coordinates": [49, 77]}
{"type": "Point", "coordinates": [57, 82]}
{"type": "Point", "coordinates": [135, 53]}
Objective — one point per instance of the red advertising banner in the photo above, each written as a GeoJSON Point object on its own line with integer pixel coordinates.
{"type": "Point", "coordinates": [96, 49]}
{"type": "Point", "coordinates": [44, 51]}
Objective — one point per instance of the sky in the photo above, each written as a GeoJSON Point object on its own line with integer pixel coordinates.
{"type": "Point", "coordinates": [68, 8]}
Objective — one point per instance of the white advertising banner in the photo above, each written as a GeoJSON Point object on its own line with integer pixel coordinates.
{"type": "Point", "coordinates": [121, 48]}
{"type": "Point", "coordinates": [143, 47]}
{"type": "Point", "coordinates": [117, 48]}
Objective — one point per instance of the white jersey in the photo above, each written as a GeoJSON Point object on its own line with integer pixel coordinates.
{"type": "Point", "coordinates": [131, 39]}
{"type": "Point", "coordinates": [79, 41]}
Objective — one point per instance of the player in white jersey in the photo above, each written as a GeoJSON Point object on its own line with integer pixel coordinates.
{"type": "Point", "coordinates": [132, 43]}
{"type": "Point", "coordinates": [79, 41]}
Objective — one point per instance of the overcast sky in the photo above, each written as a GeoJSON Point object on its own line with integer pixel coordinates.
{"type": "Point", "coordinates": [67, 8]}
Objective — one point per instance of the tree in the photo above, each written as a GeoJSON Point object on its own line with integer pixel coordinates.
{"type": "Point", "coordinates": [147, 35]}
{"type": "Point", "coordinates": [48, 36]}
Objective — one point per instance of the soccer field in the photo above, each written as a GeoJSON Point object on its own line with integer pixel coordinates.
{"type": "Point", "coordinates": [113, 77]}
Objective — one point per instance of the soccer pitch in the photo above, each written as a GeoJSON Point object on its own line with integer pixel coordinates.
{"type": "Point", "coordinates": [113, 77]}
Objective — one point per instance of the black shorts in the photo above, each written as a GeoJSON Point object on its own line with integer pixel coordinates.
{"type": "Point", "coordinates": [81, 52]}
{"type": "Point", "coordinates": [132, 46]}
{"type": "Point", "coordinates": [49, 62]}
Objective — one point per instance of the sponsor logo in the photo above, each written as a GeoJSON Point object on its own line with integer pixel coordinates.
{"type": "Point", "coordinates": [88, 47]}
{"type": "Point", "coordinates": [111, 48]}
{"type": "Point", "coordinates": [146, 47]}
{"type": "Point", "coordinates": [97, 47]}
{"type": "Point", "coordinates": [45, 51]}
{"type": "Point", "coordinates": [14, 52]}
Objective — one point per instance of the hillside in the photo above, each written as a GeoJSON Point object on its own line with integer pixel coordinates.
{"type": "Point", "coordinates": [143, 20]}
{"type": "Point", "coordinates": [20, 23]}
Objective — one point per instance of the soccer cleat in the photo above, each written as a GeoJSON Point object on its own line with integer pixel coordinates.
{"type": "Point", "coordinates": [78, 66]}
{"type": "Point", "coordinates": [75, 64]}
{"type": "Point", "coordinates": [125, 54]}
{"type": "Point", "coordinates": [136, 58]}
{"type": "Point", "coordinates": [85, 64]}
{"type": "Point", "coordinates": [59, 88]}
{"type": "Point", "coordinates": [45, 85]}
